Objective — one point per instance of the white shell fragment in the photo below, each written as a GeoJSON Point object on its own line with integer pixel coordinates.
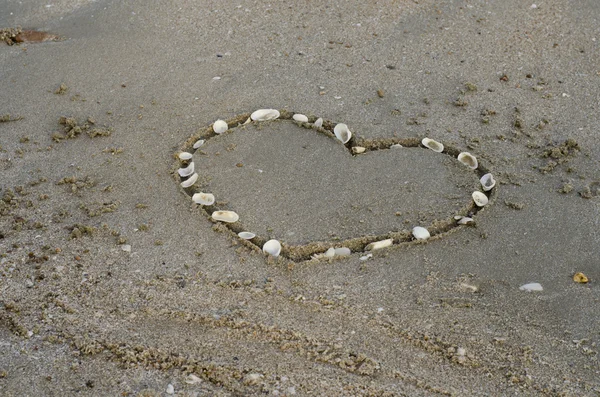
{"type": "Point", "coordinates": [433, 145]}
{"type": "Point", "coordinates": [187, 171]}
{"type": "Point", "coordinates": [358, 149]}
{"type": "Point", "coordinates": [531, 287]}
{"type": "Point", "coordinates": [265, 114]}
{"type": "Point", "coordinates": [342, 132]}
{"type": "Point", "coordinates": [379, 244]}
{"type": "Point", "coordinates": [463, 220]}
{"type": "Point", "coordinates": [300, 117]}
{"type": "Point", "coordinates": [220, 126]}
{"type": "Point", "coordinates": [487, 182]}
{"type": "Point", "coordinates": [480, 199]}
{"type": "Point", "coordinates": [203, 198]}
{"type": "Point", "coordinates": [185, 156]}
{"type": "Point", "coordinates": [272, 247]}
{"type": "Point", "coordinates": [342, 251]}
{"type": "Point", "coordinates": [420, 233]}
{"type": "Point", "coordinates": [246, 235]}
{"type": "Point", "coordinates": [190, 181]}
{"type": "Point", "coordinates": [366, 257]}
{"type": "Point", "coordinates": [198, 143]}
{"type": "Point", "coordinates": [330, 253]}
{"type": "Point", "coordinates": [318, 122]}
{"type": "Point", "coordinates": [225, 216]}
{"type": "Point", "coordinates": [469, 160]}
{"type": "Point", "coordinates": [396, 146]}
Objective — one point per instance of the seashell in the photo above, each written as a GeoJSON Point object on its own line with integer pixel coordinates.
{"type": "Point", "coordinates": [225, 216]}
{"type": "Point", "coordinates": [190, 181]}
{"type": "Point", "coordinates": [248, 121]}
{"type": "Point", "coordinates": [480, 199]}
{"type": "Point", "coordinates": [185, 156]}
{"type": "Point", "coordinates": [468, 159]}
{"type": "Point", "coordinates": [580, 278]}
{"type": "Point", "coordinates": [487, 182]}
{"type": "Point", "coordinates": [420, 233]}
{"type": "Point", "coordinates": [396, 146]}
{"type": "Point", "coordinates": [187, 171]}
{"type": "Point", "coordinates": [330, 253]}
{"type": "Point", "coordinates": [365, 257]}
{"type": "Point", "coordinates": [272, 247]}
{"type": "Point", "coordinates": [203, 198]}
{"type": "Point", "coordinates": [531, 287]}
{"type": "Point", "coordinates": [318, 123]}
{"type": "Point", "coordinates": [301, 118]}
{"type": "Point", "coordinates": [342, 132]}
{"type": "Point", "coordinates": [246, 235]}
{"type": "Point", "coordinates": [358, 149]}
{"type": "Point", "coordinates": [198, 143]}
{"type": "Point", "coordinates": [433, 145]}
{"type": "Point", "coordinates": [265, 114]}
{"type": "Point", "coordinates": [220, 126]}
{"type": "Point", "coordinates": [463, 220]}
{"type": "Point", "coordinates": [342, 251]}
{"type": "Point", "coordinates": [379, 244]}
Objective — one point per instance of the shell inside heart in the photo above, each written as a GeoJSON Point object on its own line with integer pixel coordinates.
{"type": "Point", "coordinates": [315, 189]}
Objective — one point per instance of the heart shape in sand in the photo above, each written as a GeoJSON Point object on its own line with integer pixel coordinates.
{"type": "Point", "coordinates": [294, 181]}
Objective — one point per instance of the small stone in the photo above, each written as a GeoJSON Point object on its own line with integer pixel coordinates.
{"type": "Point", "coordinates": [170, 389]}
{"type": "Point", "coordinates": [580, 278]}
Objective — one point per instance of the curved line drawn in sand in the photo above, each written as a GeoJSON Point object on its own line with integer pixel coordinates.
{"type": "Point", "coordinates": [356, 146]}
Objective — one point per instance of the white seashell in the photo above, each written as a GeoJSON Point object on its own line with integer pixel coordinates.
{"type": "Point", "coordinates": [187, 171]}
{"type": "Point", "coordinates": [301, 118]}
{"type": "Point", "coordinates": [330, 253]}
{"type": "Point", "coordinates": [246, 235]}
{"type": "Point", "coordinates": [531, 287]}
{"type": "Point", "coordinates": [342, 132]}
{"type": "Point", "coordinates": [342, 251]}
{"type": "Point", "coordinates": [468, 159]}
{"type": "Point", "coordinates": [365, 257]}
{"type": "Point", "coordinates": [358, 149]}
{"type": "Point", "coordinates": [487, 182]}
{"type": "Point", "coordinates": [319, 122]}
{"type": "Point", "coordinates": [396, 146]}
{"type": "Point", "coordinates": [420, 233]}
{"type": "Point", "coordinates": [220, 126]}
{"type": "Point", "coordinates": [185, 156]}
{"type": "Point", "coordinates": [480, 199]}
{"type": "Point", "coordinates": [463, 220]}
{"type": "Point", "coordinates": [190, 181]}
{"type": "Point", "coordinates": [225, 216]}
{"type": "Point", "coordinates": [433, 145]}
{"type": "Point", "coordinates": [379, 244]}
{"type": "Point", "coordinates": [265, 114]}
{"type": "Point", "coordinates": [203, 198]}
{"type": "Point", "coordinates": [198, 143]}
{"type": "Point", "coordinates": [272, 247]}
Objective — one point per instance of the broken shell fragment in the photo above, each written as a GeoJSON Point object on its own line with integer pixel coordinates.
{"type": "Point", "coordinates": [330, 253]}
{"type": "Point", "coordinates": [433, 145]}
{"type": "Point", "coordinates": [318, 122]}
{"type": "Point", "coordinates": [184, 156]}
{"type": "Point", "coordinates": [203, 198]}
{"type": "Point", "coordinates": [468, 159]}
{"type": "Point", "coordinates": [463, 220]}
{"type": "Point", "coordinates": [301, 118]}
{"type": "Point", "coordinates": [265, 114]}
{"type": "Point", "coordinates": [225, 216]}
{"type": "Point", "coordinates": [487, 182]}
{"type": "Point", "coordinates": [379, 244]}
{"type": "Point", "coordinates": [190, 181]}
{"type": "Point", "coordinates": [420, 233]}
{"type": "Point", "coordinates": [480, 199]}
{"type": "Point", "coordinates": [342, 132]}
{"type": "Point", "coordinates": [272, 247]}
{"type": "Point", "coordinates": [220, 126]}
{"type": "Point", "coordinates": [187, 171]}
{"type": "Point", "coordinates": [358, 149]}
{"type": "Point", "coordinates": [580, 278]}
{"type": "Point", "coordinates": [246, 235]}
{"type": "Point", "coordinates": [531, 287]}
{"type": "Point", "coordinates": [198, 143]}
{"type": "Point", "coordinates": [342, 251]}
{"type": "Point", "coordinates": [396, 146]}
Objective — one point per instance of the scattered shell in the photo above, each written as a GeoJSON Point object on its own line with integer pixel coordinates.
{"type": "Point", "coordinates": [487, 182]}
{"type": "Point", "coordinates": [170, 389]}
{"type": "Point", "coordinates": [531, 287]}
{"type": "Point", "coordinates": [187, 171]}
{"type": "Point", "coordinates": [433, 145]}
{"type": "Point", "coordinates": [330, 253]}
{"type": "Point", "coordinates": [480, 199]}
{"type": "Point", "coordinates": [580, 278]}
{"type": "Point", "coordinates": [192, 379]}
{"type": "Point", "coordinates": [246, 235]}
{"type": "Point", "coordinates": [185, 156]}
{"type": "Point", "coordinates": [358, 149]}
{"type": "Point", "coordinates": [342, 251]}
{"type": "Point", "coordinates": [225, 216]}
{"type": "Point", "coordinates": [319, 122]}
{"type": "Point", "coordinates": [463, 220]}
{"type": "Point", "coordinates": [220, 126]}
{"type": "Point", "coordinates": [272, 247]}
{"type": "Point", "coordinates": [203, 198]}
{"type": "Point", "coordinates": [468, 159]}
{"type": "Point", "coordinates": [198, 143]}
{"type": "Point", "coordinates": [265, 114]}
{"type": "Point", "coordinates": [420, 233]}
{"type": "Point", "coordinates": [301, 118]}
{"type": "Point", "coordinates": [379, 244]}
{"type": "Point", "coordinates": [190, 181]}
{"type": "Point", "coordinates": [396, 146]}
{"type": "Point", "coordinates": [342, 132]}
{"type": "Point", "coordinates": [365, 257]}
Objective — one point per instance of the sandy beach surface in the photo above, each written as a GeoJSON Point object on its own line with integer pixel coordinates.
{"type": "Point", "coordinates": [113, 282]}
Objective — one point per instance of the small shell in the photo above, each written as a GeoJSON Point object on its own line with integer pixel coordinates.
{"type": "Point", "coordinates": [190, 181]}
{"type": "Point", "coordinates": [396, 146]}
{"type": "Point", "coordinates": [531, 287]}
{"type": "Point", "coordinates": [265, 114]}
{"type": "Point", "coordinates": [487, 182]}
{"type": "Point", "coordinates": [480, 199]}
{"type": "Point", "coordinates": [365, 257]}
{"type": "Point", "coordinates": [342, 132]}
{"type": "Point", "coordinates": [272, 247]}
{"type": "Point", "coordinates": [318, 123]}
{"type": "Point", "coordinates": [225, 216]}
{"type": "Point", "coordinates": [379, 244]}
{"type": "Point", "coordinates": [463, 220]}
{"type": "Point", "coordinates": [433, 145]}
{"type": "Point", "coordinates": [358, 149]}
{"type": "Point", "coordinates": [300, 117]}
{"type": "Point", "coordinates": [246, 235]}
{"type": "Point", "coordinates": [468, 159]}
{"type": "Point", "coordinates": [248, 121]}
{"type": "Point", "coordinates": [185, 156]}
{"type": "Point", "coordinates": [420, 233]}
{"type": "Point", "coordinates": [203, 198]}
{"type": "Point", "coordinates": [220, 126]}
{"type": "Point", "coordinates": [198, 143]}
{"type": "Point", "coordinates": [330, 253]}
{"type": "Point", "coordinates": [187, 171]}
{"type": "Point", "coordinates": [342, 251]}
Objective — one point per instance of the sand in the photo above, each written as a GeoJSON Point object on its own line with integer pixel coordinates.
{"type": "Point", "coordinates": [87, 164]}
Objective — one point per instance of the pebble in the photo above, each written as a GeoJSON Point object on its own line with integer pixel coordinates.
{"type": "Point", "coordinates": [170, 389]}
{"type": "Point", "coordinates": [531, 287]}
